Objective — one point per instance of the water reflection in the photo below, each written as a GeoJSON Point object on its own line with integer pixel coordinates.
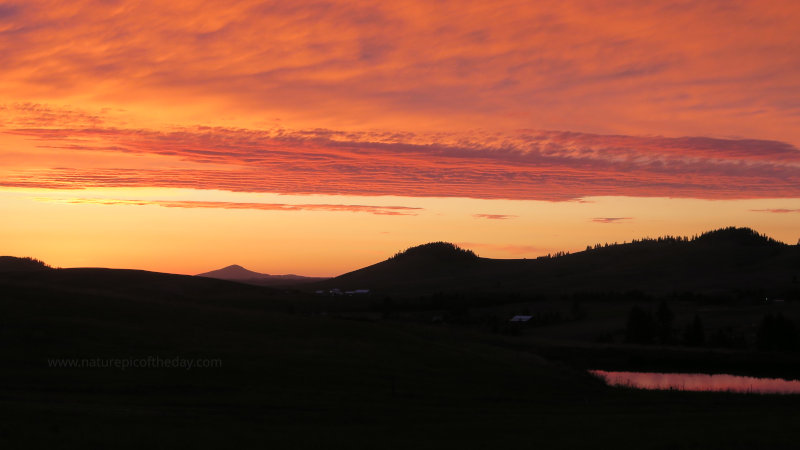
{"type": "Point", "coordinates": [699, 382]}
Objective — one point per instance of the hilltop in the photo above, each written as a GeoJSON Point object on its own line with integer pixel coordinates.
{"type": "Point", "coordinates": [427, 266]}
{"type": "Point", "coordinates": [721, 261]}
{"type": "Point", "coordinates": [15, 264]}
{"type": "Point", "coordinates": [435, 252]}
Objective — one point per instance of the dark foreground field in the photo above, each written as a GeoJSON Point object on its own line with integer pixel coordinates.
{"type": "Point", "coordinates": [297, 380]}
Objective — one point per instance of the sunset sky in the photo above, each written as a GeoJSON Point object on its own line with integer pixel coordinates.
{"type": "Point", "coordinates": [316, 137]}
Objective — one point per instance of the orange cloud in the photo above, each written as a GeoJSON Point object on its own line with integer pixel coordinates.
{"type": "Point", "coordinates": [452, 98]}
{"type": "Point", "coordinates": [545, 100]}
{"type": "Point", "coordinates": [611, 219]}
{"type": "Point", "coordinates": [526, 164]}
{"type": "Point", "coordinates": [661, 67]}
{"type": "Point", "coordinates": [777, 210]}
{"type": "Point", "coordinates": [494, 216]}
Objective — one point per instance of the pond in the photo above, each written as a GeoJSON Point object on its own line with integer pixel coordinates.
{"type": "Point", "coordinates": [699, 382]}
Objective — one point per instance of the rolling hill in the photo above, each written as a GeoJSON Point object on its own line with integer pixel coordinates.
{"type": "Point", "coordinates": [721, 262]}
{"type": "Point", "coordinates": [311, 380]}
{"type": "Point", "coordinates": [80, 284]}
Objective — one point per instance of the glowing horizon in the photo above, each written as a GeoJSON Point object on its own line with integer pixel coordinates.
{"type": "Point", "coordinates": [317, 138]}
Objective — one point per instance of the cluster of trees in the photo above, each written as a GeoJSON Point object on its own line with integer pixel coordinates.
{"type": "Point", "coordinates": [554, 255]}
{"type": "Point", "coordinates": [643, 327]}
{"type": "Point", "coordinates": [437, 250]}
{"type": "Point", "coordinates": [742, 236]}
{"type": "Point", "coordinates": [775, 332]}
{"type": "Point", "coordinates": [644, 241]}
{"type": "Point", "coordinates": [12, 263]}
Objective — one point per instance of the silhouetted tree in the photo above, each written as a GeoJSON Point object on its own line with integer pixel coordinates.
{"type": "Point", "coordinates": [577, 311]}
{"type": "Point", "coordinates": [640, 328]}
{"type": "Point", "coordinates": [664, 319]}
{"type": "Point", "coordinates": [776, 333]}
{"type": "Point", "coordinates": [694, 335]}
{"type": "Point", "coordinates": [727, 337]}
{"type": "Point", "coordinates": [387, 306]}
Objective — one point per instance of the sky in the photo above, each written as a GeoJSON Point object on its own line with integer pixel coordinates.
{"type": "Point", "coordinates": [316, 137]}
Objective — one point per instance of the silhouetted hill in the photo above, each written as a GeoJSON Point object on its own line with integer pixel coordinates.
{"type": "Point", "coordinates": [725, 261]}
{"type": "Point", "coordinates": [137, 285]}
{"type": "Point", "coordinates": [100, 356]}
{"type": "Point", "coordinates": [297, 377]}
{"type": "Point", "coordinates": [238, 273]}
{"type": "Point", "coordinates": [427, 266]}
{"type": "Point", "coordinates": [737, 236]}
{"type": "Point", "coordinates": [435, 252]}
{"type": "Point", "coordinates": [14, 264]}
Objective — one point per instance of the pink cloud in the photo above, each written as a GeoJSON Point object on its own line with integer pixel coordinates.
{"type": "Point", "coordinates": [494, 216]}
{"type": "Point", "coordinates": [378, 210]}
{"type": "Point", "coordinates": [542, 165]}
{"type": "Point", "coordinates": [611, 219]}
{"type": "Point", "coordinates": [777, 210]}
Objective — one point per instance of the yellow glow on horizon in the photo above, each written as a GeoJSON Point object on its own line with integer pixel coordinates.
{"type": "Point", "coordinates": [326, 243]}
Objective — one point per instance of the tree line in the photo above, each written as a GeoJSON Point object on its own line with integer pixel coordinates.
{"type": "Point", "coordinates": [775, 332]}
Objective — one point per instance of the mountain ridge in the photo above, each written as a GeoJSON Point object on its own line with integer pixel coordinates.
{"type": "Point", "coordinates": [723, 260]}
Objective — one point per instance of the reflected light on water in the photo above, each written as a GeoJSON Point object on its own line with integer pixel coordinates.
{"type": "Point", "coordinates": [699, 382]}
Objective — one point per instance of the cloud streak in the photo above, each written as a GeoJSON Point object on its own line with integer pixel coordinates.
{"type": "Point", "coordinates": [371, 209]}
{"type": "Point", "coordinates": [611, 219]}
{"type": "Point", "coordinates": [777, 210]}
{"type": "Point", "coordinates": [494, 216]}
{"type": "Point", "coordinates": [527, 164]}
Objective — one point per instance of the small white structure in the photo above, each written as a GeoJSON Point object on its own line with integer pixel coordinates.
{"type": "Point", "coordinates": [357, 292]}
{"type": "Point", "coordinates": [520, 318]}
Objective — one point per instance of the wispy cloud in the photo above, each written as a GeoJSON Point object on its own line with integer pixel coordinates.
{"type": "Point", "coordinates": [611, 219]}
{"type": "Point", "coordinates": [527, 164]}
{"type": "Point", "coordinates": [777, 210]}
{"type": "Point", "coordinates": [378, 210]}
{"type": "Point", "coordinates": [494, 216]}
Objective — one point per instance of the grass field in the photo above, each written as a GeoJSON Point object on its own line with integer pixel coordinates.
{"type": "Point", "coordinates": [312, 381]}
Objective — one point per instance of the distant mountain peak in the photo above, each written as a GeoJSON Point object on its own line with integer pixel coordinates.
{"type": "Point", "coordinates": [438, 251]}
{"type": "Point", "coordinates": [233, 272]}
